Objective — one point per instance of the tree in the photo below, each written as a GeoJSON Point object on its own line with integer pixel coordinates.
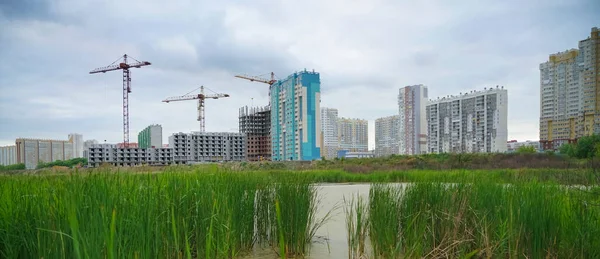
{"type": "Point", "coordinates": [526, 150]}
{"type": "Point", "coordinates": [567, 149]}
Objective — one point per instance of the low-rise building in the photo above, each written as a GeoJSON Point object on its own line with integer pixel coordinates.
{"type": "Point", "coordinates": [513, 145]}
{"type": "Point", "coordinates": [112, 154]}
{"type": "Point", "coordinates": [358, 154]}
{"type": "Point", "coordinates": [208, 147]}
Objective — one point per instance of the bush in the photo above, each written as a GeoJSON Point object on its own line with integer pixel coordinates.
{"type": "Point", "coordinates": [526, 150]}
{"type": "Point", "coordinates": [68, 163]}
{"type": "Point", "coordinates": [12, 167]}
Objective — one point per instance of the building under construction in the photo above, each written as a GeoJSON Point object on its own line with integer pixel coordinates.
{"type": "Point", "coordinates": [255, 122]}
{"type": "Point", "coordinates": [198, 147]}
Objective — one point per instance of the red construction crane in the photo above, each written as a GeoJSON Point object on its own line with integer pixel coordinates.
{"type": "Point", "coordinates": [200, 98]}
{"type": "Point", "coordinates": [126, 87]}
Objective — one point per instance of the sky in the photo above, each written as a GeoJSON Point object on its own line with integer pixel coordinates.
{"type": "Point", "coordinates": [364, 51]}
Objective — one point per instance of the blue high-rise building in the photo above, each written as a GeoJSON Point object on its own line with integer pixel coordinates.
{"type": "Point", "coordinates": [296, 117]}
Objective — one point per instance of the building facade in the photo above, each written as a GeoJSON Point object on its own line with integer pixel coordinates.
{"type": "Point", "coordinates": [208, 147]}
{"type": "Point", "coordinates": [387, 138]}
{"type": "Point", "coordinates": [412, 101]}
{"type": "Point", "coordinates": [329, 129]}
{"type": "Point", "coordinates": [353, 135]}
{"type": "Point", "coordinates": [349, 155]}
{"type": "Point", "coordinates": [31, 152]}
{"type": "Point", "coordinates": [570, 94]}
{"type": "Point", "coordinates": [255, 122]}
{"type": "Point", "coordinates": [77, 140]}
{"type": "Point", "coordinates": [296, 117]}
{"type": "Point", "coordinates": [150, 137]}
{"type": "Point", "coordinates": [99, 154]}
{"type": "Point", "coordinates": [474, 122]}
{"type": "Point", "coordinates": [8, 155]}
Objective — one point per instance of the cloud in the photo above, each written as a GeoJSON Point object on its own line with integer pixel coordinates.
{"type": "Point", "coordinates": [364, 51]}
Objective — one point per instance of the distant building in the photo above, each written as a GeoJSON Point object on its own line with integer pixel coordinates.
{"type": "Point", "coordinates": [208, 147]}
{"type": "Point", "coordinates": [329, 129]}
{"type": "Point", "coordinates": [89, 143]}
{"type": "Point", "coordinates": [100, 154]}
{"type": "Point", "coordinates": [255, 122]}
{"type": "Point", "coordinates": [129, 145]}
{"type": "Point", "coordinates": [513, 145]}
{"type": "Point", "coordinates": [31, 152]}
{"type": "Point", "coordinates": [296, 117]}
{"type": "Point", "coordinates": [151, 136]}
{"type": "Point", "coordinates": [387, 130]}
{"type": "Point", "coordinates": [353, 134]}
{"type": "Point", "coordinates": [569, 87]}
{"type": "Point", "coordinates": [474, 122]}
{"type": "Point", "coordinates": [412, 101]}
{"type": "Point", "coordinates": [77, 140]}
{"type": "Point", "coordinates": [8, 155]}
{"type": "Point", "coordinates": [349, 154]}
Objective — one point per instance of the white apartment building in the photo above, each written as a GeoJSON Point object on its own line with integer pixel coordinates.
{"type": "Point", "coordinates": [514, 145]}
{"type": "Point", "coordinates": [8, 155]}
{"type": "Point", "coordinates": [474, 122]}
{"type": "Point", "coordinates": [77, 140]}
{"type": "Point", "coordinates": [412, 101]}
{"type": "Point", "coordinates": [568, 89]}
{"type": "Point", "coordinates": [353, 135]}
{"type": "Point", "coordinates": [387, 139]}
{"type": "Point", "coordinates": [329, 128]}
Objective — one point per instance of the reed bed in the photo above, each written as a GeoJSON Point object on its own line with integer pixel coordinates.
{"type": "Point", "coordinates": [435, 220]}
{"type": "Point", "coordinates": [205, 214]}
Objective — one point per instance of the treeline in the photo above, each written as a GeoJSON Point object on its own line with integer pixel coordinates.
{"type": "Point", "coordinates": [68, 163]}
{"type": "Point", "coordinates": [12, 167]}
{"type": "Point", "coordinates": [586, 147]}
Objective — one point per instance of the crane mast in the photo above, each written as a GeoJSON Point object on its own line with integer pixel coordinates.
{"type": "Point", "coordinates": [126, 87]}
{"type": "Point", "coordinates": [201, 97]}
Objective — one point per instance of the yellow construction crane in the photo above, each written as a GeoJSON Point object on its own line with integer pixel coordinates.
{"type": "Point", "coordinates": [260, 80]}
{"type": "Point", "coordinates": [201, 96]}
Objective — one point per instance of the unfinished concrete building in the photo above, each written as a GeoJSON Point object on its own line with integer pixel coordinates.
{"type": "Point", "coordinates": [208, 147]}
{"type": "Point", "coordinates": [255, 122]}
{"type": "Point", "coordinates": [99, 154]}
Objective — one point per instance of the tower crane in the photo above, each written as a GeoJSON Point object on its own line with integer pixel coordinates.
{"type": "Point", "coordinates": [201, 97]}
{"type": "Point", "coordinates": [126, 86]}
{"type": "Point", "coordinates": [260, 80]}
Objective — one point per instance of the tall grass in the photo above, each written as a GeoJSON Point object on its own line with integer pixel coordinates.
{"type": "Point", "coordinates": [484, 220]}
{"type": "Point", "coordinates": [357, 226]}
{"type": "Point", "coordinates": [204, 214]}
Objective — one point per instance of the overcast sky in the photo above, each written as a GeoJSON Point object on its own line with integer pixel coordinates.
{"type": "Point", "coordinates": [364, 51]}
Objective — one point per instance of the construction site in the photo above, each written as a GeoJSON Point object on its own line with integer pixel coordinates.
{"type": "Point", "coordinates": [253, 142]}
{"type": "Point", "coordinates": [255, 122]}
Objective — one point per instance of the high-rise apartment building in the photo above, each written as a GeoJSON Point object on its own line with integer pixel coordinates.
{"type": "Point", "coordinates": [412, 101]}
{"type": "Point", "coordinates": [329, 128]}
{"type": "Point", "coordinates": [8, 155]}
{"type": "Point", "coordinates": [296, 117]}
{"type": "Point", "coordinates": [387, 138]}
{"type": "Point", "coordinates": [255, 122]}
{"type": "Point", "coordinates": [570, 94]}
{"type": "Point", "coordinates": [474, 122]}
{"type": "Point", "coordinates": [150, 137]}
{"type": "Point", "coordinates": [353, 135]}
{"type": "Point", "coordinates": [31, 152]}
{"type": "Point", "coordinates": [77, 140]}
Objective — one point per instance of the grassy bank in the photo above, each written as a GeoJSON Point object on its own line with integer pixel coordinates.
{"type": "Point", "coordinates": [171, 215]}
{"type": "Point", "coordinates": [481, 219]}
